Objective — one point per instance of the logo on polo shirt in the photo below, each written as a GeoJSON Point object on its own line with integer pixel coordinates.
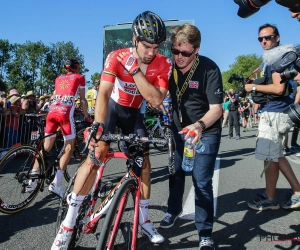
{"type": "Point", "coordinates": [218, 92]}
{"type": "Point", "coordinates": [193, 84]}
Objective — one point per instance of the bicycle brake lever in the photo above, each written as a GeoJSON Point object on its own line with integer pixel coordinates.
{"type": "Point", "coordinates": [92, 134]}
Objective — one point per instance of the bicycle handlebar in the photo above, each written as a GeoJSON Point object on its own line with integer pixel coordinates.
{"type": "Point", "coordinates": [132, 139]}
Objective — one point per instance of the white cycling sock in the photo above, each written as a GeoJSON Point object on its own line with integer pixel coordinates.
{"type": "Point", "coordinates": [33, 172]}
{"type": "Point", "coordinates": [58, 177]}
{"type": "Point", "coordinates": [143, 211]}
{"type": "Point", "coordinates": [74, 206]}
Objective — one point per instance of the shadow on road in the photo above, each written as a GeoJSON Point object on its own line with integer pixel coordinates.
{"type": "Point", "coordinates": [46, 208]}
{"type": "Point", "coordinates": [235, 235]}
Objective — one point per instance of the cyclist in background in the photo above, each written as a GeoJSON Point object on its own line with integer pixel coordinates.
{"type": "Point", "coordinates": [61, 115]}
{"type": "Point", "coordinates": [129, 76]}
{"type": "Point", "coordinates": [91, 96]}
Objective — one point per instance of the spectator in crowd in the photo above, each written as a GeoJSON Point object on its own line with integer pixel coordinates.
{"type": "Point", "coordinates": [47, 104]}
{"type": "Point", "coordinates": [225, 107]}
{"type": "Point", "coordinates": [3, 102]}
{"type": "Point", "coordinates": [245, 112]}
{"type": "Point", "coordinates": [30, 105]}
{"type": "Point", "coordinates": [12, 121]}
{"type": "Point", "coordinates": [41, 105]}
{"type": "Point", "coordinates": [91, 96]}
{"type": "Point", "coordinates": [272, 128]}
{"type": "Point", "coordinates": [3, 111]}
{"type": "Point", "coordinates": [78, 109]}
{"type": "Point", "coordinates": [198, 108]}
{"type": "Point", "coordinates": [12, 92]}
{"type": "Point", "coordinates": [233, 116]}
{"type": "Point", "coordinates": [256, 108]}
{"type": "Point", "coordinates": [23, 97]}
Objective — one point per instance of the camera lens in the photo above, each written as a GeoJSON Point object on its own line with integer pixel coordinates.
{"type": "Point", "coordinates": [288, 74]}
{"type": "Point", "coordinates": [249, 7]}
{"type": "Point", "coordinates": [293, 112]}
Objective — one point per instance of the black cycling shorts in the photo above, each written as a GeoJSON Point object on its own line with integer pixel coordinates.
{"type": "Point", "coordinates": [121, 116]}
{"type": "Point", "coordinates": [128, 119]}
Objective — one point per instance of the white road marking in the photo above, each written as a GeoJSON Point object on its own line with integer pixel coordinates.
{"type": "Point", "coordinates": [188, 212]}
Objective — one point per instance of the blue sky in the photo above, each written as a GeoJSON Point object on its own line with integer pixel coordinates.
{"type": "Point", "coordinates": [224, 35]}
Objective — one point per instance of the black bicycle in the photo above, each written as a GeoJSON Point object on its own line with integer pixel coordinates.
{"type": "Point", "coordinates": [16, 166]}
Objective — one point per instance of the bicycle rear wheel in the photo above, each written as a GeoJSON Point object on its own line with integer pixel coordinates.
{"type": "Point", "coordinates": [71, 171]}
{"type": "Point", "coordinates": [15, 170]}
{"type": "Point", "coordinates": [117, 229]}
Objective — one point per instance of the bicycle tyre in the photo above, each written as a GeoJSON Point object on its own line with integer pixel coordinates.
{"type": "Point", "coordinates": [14, 169]}
{"type": "Point", "coordinates": [63, 209]}
{"type": "Point", "coordinates": [120, 146]}
{"type": "Point", "coordinates": [171, 150]}
{"type": "Point", "coordinates": [71, 171]}
{"type": "Point", "coordinates": [124, 234]}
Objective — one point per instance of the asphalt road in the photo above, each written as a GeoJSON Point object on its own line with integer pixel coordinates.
{"type": "Point", "coordinates": [236, 227]}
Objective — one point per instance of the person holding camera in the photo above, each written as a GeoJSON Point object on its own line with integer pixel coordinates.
{"type": "Point", "coordinates": [245, 112]}
{"type": "Point", "coordinates": [273, 126]}
{"type": "Point", "coordinates": [233, 116]}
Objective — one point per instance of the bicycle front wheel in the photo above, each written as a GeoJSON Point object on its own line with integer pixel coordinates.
{"type": "Point", "coordinates": [15, 174]}
{"type": "Point", "coordinates": [163, 135]}
{"type": "Point", "coordinates": [117, 229]}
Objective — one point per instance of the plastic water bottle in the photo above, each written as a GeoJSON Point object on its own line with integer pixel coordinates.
{"type": "Point", "coordinates": [189, 153]}
{"type": "Point", "coordinates": [199, 147]}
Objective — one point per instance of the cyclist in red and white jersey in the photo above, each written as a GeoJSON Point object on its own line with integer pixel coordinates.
{"type": "Point", "coordinates": [129, 76]}
{"type": "Point", "coordinates": [61, 115]}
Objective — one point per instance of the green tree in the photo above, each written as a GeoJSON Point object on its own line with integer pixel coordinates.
{"type": "Point", "coordinates": [244, 65]}
{"type": "Point", "coordinates": [34, 66]}
{"type": "Point", "coordinates": [5, 54]}
{"type": "Point", "coordinates": [95, 77]}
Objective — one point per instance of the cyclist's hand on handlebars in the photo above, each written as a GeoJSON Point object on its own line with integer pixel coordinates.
{"type": "Point", "coordinates": [93, 141]}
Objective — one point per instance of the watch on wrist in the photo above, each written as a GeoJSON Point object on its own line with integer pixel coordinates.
{"type": "Point", "coordinates": [202, 125]}
{"type": "Point", "coordinates": [254, 88]}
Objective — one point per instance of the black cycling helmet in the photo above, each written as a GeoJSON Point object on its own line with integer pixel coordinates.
{"type": "Point", "coordinates": [72, 65]}
{"type": "Point", "coordinates": [149, 27]}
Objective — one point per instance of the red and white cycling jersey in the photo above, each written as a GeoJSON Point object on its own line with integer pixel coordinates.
{"type": "Point", "coordinates": [125, 91]}
{"type": "Point", "coordinates": [66, 88]}
{"type": "Point", "coordinates": [62, 108]}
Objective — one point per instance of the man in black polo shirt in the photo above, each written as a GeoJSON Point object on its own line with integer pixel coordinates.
{"type": "Point", "coordinates": [197, 94]}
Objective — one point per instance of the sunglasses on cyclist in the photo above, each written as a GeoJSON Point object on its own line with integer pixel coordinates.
{"type": "Point", "coordinates": [261, 38]}
{"type": "Point", "coordinates": [183, 53]}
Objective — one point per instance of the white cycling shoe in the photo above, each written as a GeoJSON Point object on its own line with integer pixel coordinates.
{"type": "Point", "coordinates": [148, 229]}
{"type": "Point", "coordinates": [63, 238]}
{"type": "Point", "coordinates": [56, 190]}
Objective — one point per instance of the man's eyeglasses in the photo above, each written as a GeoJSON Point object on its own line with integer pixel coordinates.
{"type": "Point", "coordinates": [261, 38]}
{"type": "Point", "coordinates": [183, 53]}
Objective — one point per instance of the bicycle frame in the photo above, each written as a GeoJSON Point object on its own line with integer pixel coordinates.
{"type": "Point", "coordinates": [93, 216]}
{"type": "Point", "coordinates": [88, 221]}
{"type": "Point", "coordinates": [157, 124]}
